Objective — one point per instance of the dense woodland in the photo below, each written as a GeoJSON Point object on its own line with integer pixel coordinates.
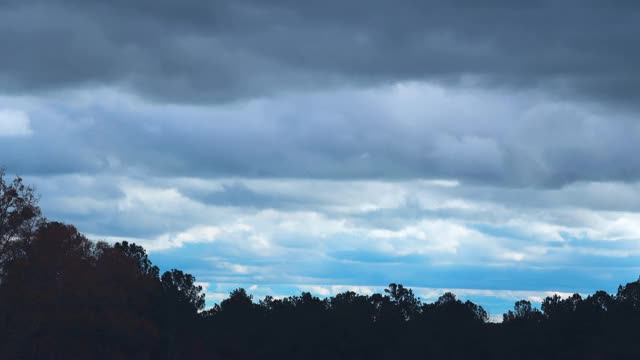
{"type": "Point", "coordinates": [63, 296]}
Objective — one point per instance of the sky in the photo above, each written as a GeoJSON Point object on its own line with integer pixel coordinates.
{"type": "Point", "coordinates": [487, 148]}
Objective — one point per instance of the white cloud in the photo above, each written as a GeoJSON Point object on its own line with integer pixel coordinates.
{"type": "Point", "coordinates": [512, 255]}
{"type": "Point", "coordinates": [205, 286]}
{"type": "Point", "coordinates": [14, 123]}
{"type": "Point", "coordinates": [233, 268]}
{"type": "Point", "coordinates": [316, 289]}
{"type": "Point", "coordinates": [430, 294]}
{"type": "Point", "coordinates": [216, 297]}
{"type": "Point", "coordinates": [363, 290]}
{"type": "Point", "coordinates": [341, 216]}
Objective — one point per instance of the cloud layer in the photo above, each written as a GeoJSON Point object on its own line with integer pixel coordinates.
{"type": "Point", "coordinates": [202, 51]}
{"type": "Point", "coordinates": [403, 131]}
{"type": "Point", "coordinates": [287, 146]}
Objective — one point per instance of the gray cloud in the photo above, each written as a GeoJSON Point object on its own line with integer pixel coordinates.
{"type": "Point", "coordinates": [495, 94]}
{"type": "Point", "coordinates": [199, 50]}
{"type": "Point", "coordinates": [405, 131]}
{"type": "Point", "coordinates": [237, 194]}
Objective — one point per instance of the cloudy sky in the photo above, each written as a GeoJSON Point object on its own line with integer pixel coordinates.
{"type": "Point", "coordinates": [291, 145]}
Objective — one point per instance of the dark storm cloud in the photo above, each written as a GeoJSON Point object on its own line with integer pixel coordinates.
{"type": "Point", "coordinates": [383, 122]}
{"type": "Point", "coordinates": [199, 50]}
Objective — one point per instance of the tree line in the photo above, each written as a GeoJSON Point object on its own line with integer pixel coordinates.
{"type": "Point", "coordinates": [63, 296]}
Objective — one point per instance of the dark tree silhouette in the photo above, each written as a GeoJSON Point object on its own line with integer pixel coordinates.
{"type": "Point", "coordinates": [523, 311]}
{"type": "Point", "coordinates": [138, 256]}
{"type": "Point", "coordinates": [404, 299]}
{"type": "Point", "coordinates": [20, 215]}
{"type": "Point", "coordinates": [181, 289]}
{"type": "Point", "coordinates": [19, 212]}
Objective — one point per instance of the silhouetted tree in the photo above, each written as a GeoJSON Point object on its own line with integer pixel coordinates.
{"type": "Point", "coordinates": [19, 212]}
{"type": "Point", "coordinates": [181, 288]}
{"type": "Point", "coordinates": [629, 295]}
{"type": "Point", "coordinates": [20, 215]}
{"type": "Point", "coordinates": [523, 311]}
{"type": "Point", "coordinates": [139, 258]}
{"type": "Point", "coordinates": [404, 299]}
